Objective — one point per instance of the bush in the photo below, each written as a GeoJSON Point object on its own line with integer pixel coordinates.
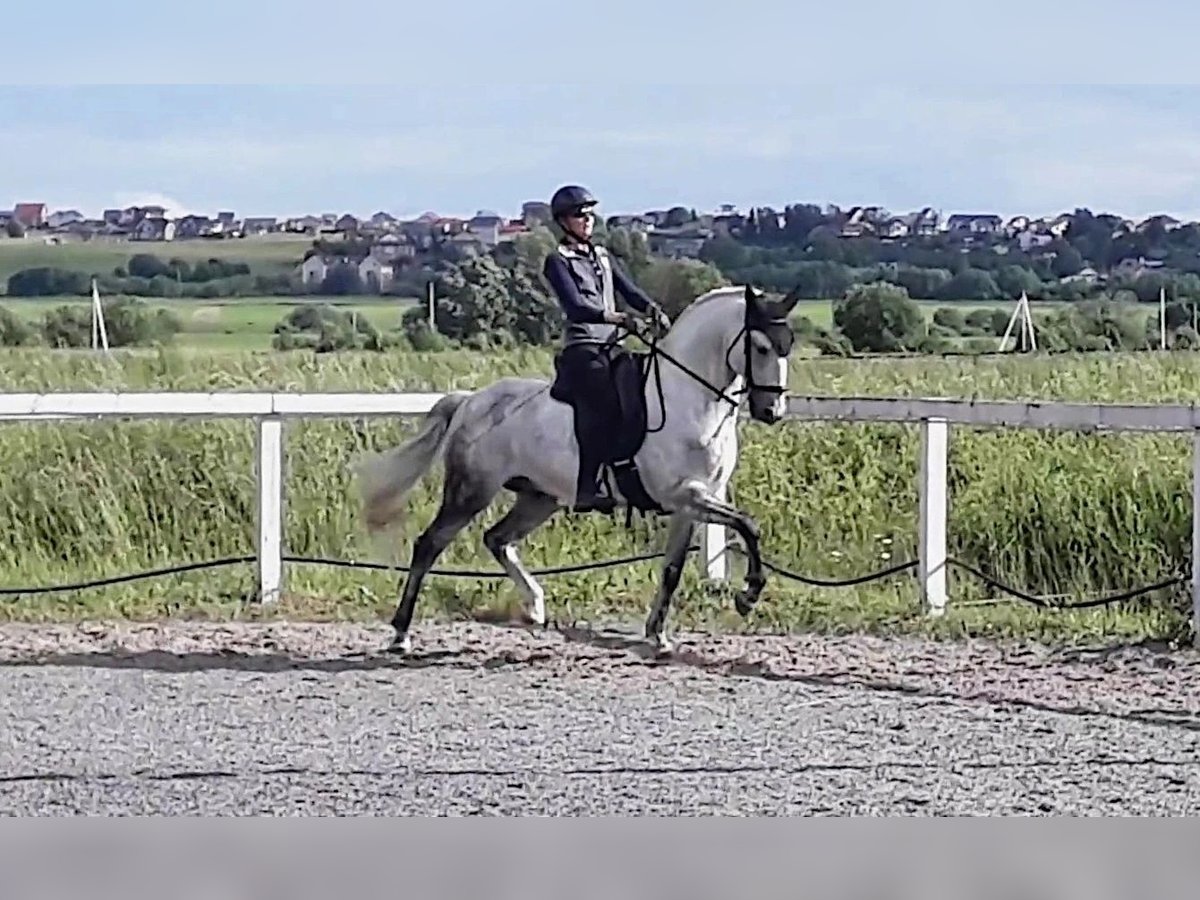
{"type": "Point", "coordinates": [881, 318]}
{"type": "Point", "coordinates": [326, 329]}
{"type": "Point", "coordinates": [127, 323]}
{"type": "Point", "coordinates": [950, 319]}
{"type": "Point", "coordinates": [15, 331]}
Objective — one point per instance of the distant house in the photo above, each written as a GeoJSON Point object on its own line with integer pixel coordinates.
{"type": "Point", "coordinates": [303, 225]}
{"type": "Point", "coordinates": [314, 269]}
{"type": "Point", "coordinates": [863, 220]}
{"type": "Point", "coordinates": [727, 220]}
{"type": "Point", "coordinates": [486, 226]}
{"type": "Point", "coordinates": [346, 223]}
{"type": "Point", "coordinates": [392, 247]}
{"type": "Point", "coordinates": [1136, 266]}
{"type": "Point", "coordinates": [259, 225]}
{"type": "Point", "coordinates": [1169, 223]}
{"type": "Point", "coordinates": [464, 244]}
{"type": "Point", "coordinates": [153, 229]}
{"type": "Point", "coordinates": [31, 215]}
{"type": "Point", "coordinates": [535, 212]}
{"type": "Point", "coordinates": [974, 223]}
{"type": "Point", "coordinates": [1031, 238]}
{"type": "Point", "coordinates": [633, 223]}
{"type": "Point", "coordinates": [511, 231]}
{"type": "Point", "coordinates": [678, 243]}
{"type": "Point", "coordinates": [63, 218]}
{"type": "Point", "coordinates": [376, 274]}
{"type": "Point", "coordinates": [194, 226]}
{"type": "Point", "coordinates": [922, 223]}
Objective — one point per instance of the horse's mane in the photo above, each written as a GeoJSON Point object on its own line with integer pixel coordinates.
{"type": "Point", "coordinates": [709, 296]}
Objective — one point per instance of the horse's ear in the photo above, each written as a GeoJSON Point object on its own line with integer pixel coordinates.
{"type": "Point", "coordinates": [781, 308]}
{"type": "Point", "coordinates": [788, 303]}
{"type": "Point", "coordinates": [753, 298]}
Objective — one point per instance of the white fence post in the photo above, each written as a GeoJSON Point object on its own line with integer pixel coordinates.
{"type": "Point", "coordinates": [1196, 537]}
{"type": "Point", "coordinates": [270, 508]}
{"type": "Point", "coordinates": [932, 567]}
{"type": "Point", "coordinates": [713, 555]}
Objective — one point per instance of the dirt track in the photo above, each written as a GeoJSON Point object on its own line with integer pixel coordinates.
{"type": "Point", "coordinates": [299, 719]}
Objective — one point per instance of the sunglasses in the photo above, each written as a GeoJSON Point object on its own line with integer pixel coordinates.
{"type": "Point", "coordinates": [582, 213]}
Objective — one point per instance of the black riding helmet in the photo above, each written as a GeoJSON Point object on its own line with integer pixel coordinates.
{"type": "Point", "coordinates": [569, 199]}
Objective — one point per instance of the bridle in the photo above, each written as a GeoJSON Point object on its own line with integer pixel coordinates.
{"type": "Point", "coordinates": [748, 390]}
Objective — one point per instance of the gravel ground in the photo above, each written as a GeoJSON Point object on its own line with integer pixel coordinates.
{"type": "Point", "coordinates": [282, 719]}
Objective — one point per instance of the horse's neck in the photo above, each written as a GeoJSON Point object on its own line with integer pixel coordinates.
{"type": "Point", "coordinates": [702, 346]}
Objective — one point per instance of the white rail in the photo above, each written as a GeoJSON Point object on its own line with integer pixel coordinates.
{"type": "Point", "coordinates": [933, 415]}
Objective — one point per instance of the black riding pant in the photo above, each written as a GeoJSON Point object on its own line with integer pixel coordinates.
{"type": "Point", "coordinates": [586, 367]}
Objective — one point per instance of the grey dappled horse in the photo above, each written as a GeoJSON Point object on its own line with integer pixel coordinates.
{"type": "Point", "coordinates": [513, 435]}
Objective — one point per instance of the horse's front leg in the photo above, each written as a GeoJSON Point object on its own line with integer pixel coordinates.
{"type": "Point", "coordinates": [707, 507]}
{"type": "Point", "coordinates": [679, 538]}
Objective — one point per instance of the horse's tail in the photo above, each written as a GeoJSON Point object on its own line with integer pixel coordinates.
{"type": "Point", "coordinates": [386, 478]}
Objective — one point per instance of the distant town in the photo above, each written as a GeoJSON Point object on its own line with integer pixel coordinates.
{"type": "Point", "coordinates": [383, 246]}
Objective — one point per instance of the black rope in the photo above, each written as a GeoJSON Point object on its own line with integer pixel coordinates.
{"type": "Point", "coordinates": [136, 576]}
{"type": "Point", "coordinates": [1033, 599]}
{"type": "Point", "coordinates": [1049, 603]}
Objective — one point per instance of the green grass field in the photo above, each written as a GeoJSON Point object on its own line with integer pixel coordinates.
{"type": "Point", "coordinates": [264, 255]}
{"type": "Point", "coordinates": [247, 323]}
{"type": "Point", "coordinates": [243, 323]}
{"type": "Point", "coordinates": [1053, 513]}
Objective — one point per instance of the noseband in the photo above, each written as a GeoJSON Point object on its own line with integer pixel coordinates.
{"type": "Point", "coordinates": [778, 332]}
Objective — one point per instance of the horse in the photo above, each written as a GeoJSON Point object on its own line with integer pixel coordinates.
{"type": "Point", "coordinates": [730, 344]}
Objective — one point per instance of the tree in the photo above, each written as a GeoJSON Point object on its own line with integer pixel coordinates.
{"type": "Point", "coordinates": [341, 279]}
{"type": "Point", "coordinates": [46, 281]}
{"type": "Point", "coordinates": [146, 265]}
{"type": "Point", "coordinates": [880, 317]}
{"type": "Point", "coordinates": [675, 283]}
{"type": "Point", "coordinates": [630, 247]}
{"type": "Point", "coordinates": [1067, 262]}
{"type": "Point", "coordinates": [970, 284]}
{"type": "Point", "coordinates": [14, 229]}
{"type": "Point", "coordinates": [481, 300]}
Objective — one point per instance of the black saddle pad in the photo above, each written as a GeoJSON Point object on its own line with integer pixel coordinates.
{"type": "Point", "coordinates": [628, 371]}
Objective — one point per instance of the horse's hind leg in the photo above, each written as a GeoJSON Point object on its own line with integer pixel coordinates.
{"type": "Point", "coordinates": [679, 538]}
{"type": "Point", "coordinates": [462, 500]}
{"type": "Point", "coordinates": [530, 511]}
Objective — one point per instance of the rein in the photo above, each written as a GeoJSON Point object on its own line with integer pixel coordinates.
{"type": "Point", "coordinates": [750, 386]}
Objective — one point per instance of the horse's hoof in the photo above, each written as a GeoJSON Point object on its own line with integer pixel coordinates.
{"type": "Point", "coordinates": [748, 596]}
{"type": "Point", "coordinates": [745, 601]}
{"type": "Point", "coordinates": [401, 644]}
{"type": "Point", "coordinates": [661, 644]}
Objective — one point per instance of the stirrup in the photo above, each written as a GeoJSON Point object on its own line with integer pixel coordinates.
{"type": "Point", "coordinates": [594, 503]}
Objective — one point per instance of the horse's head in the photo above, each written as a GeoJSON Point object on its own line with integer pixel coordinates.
{"type": "Point", "coordinates": [766, 343]}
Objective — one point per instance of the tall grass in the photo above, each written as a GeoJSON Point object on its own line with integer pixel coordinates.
{"type": "Point", "coordinates": [1056, 513]}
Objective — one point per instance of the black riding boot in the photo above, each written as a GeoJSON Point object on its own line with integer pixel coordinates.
{"type": "Point", "coordinates": [587, 494]}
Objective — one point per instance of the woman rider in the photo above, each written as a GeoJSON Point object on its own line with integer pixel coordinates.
{"type": "Point", "coordinates": [586, 280]}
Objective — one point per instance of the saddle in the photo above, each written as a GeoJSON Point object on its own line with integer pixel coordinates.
{"type": "Point", "coordinates": [629, 370]}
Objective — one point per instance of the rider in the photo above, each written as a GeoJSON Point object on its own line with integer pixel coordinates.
{"type": "Point", "coordinates": [585, 279]}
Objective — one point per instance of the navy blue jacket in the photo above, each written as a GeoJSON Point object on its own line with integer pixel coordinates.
{"type": "Point", "coordinates": [585, 289]}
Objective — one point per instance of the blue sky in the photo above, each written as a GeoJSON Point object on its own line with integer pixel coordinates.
{"type": "Point", "coordinates": [649, 105]}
